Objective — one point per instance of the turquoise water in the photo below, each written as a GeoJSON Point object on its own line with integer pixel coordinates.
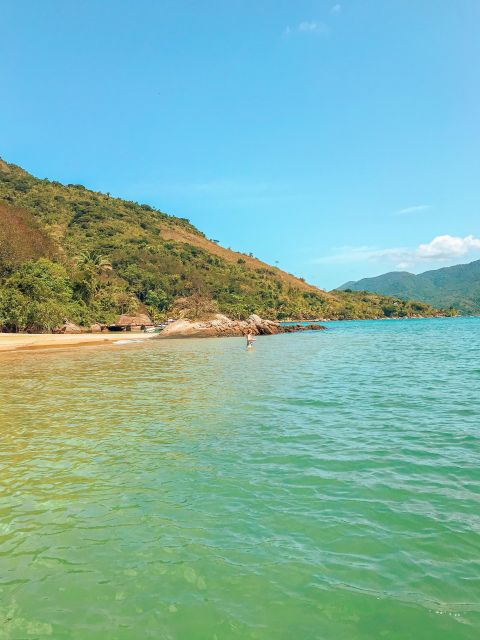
{"type": "Point", "coordinates": [324, 485]}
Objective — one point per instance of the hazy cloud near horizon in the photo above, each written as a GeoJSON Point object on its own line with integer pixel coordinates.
{"type": "Point", "coordinates": [441, 249]}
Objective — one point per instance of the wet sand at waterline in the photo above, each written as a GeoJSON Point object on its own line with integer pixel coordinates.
{"type": "Point", "coordinates": [28, 341]}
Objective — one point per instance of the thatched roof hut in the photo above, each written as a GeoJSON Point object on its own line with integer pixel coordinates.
{"type": "Point", "coordinates": [139, 319]}
{"type": "Point", "coordinates": [131, 323]}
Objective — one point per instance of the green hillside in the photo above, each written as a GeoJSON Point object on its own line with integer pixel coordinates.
{"type": "Point", "coordinates": [457, 286]}
{"type": "Point", "coordinates": [70, 253]}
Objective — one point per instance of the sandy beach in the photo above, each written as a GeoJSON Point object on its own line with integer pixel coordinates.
{"type": "Point", "coordinates": [29, 341]}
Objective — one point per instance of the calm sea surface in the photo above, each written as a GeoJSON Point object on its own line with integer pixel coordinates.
{"type": "Point", "coordinates": [324, 485]}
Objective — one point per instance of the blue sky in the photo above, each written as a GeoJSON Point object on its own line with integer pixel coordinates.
{"type": "Point", "coordinates": [339, 139]}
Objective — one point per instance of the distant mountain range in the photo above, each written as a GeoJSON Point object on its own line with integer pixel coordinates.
{"type": "Point", "coordinates": [457, 286]}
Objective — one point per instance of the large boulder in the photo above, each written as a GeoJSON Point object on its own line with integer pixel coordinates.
{"type": "Point", "coordinates": [260, 327]}
{"type": "Point", "coordinates": [69, 327]}
{"type": "Point", "coordinates": [218, 325]}
{"type": "Point", "coordinates": [222, 326]}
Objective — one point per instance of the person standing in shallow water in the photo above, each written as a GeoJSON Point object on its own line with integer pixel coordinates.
{"type": "Point", "coordinates": [250, 340]}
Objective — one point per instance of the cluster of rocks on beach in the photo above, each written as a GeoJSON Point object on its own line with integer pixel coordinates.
{"type": "Point", "coordinates": [216, 326]}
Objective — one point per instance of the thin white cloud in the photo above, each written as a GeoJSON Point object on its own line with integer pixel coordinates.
{"type": "Point", "coordinates": [306, 27]}
{"type": "Point", "coordinates": [312, 27]}
{"type": "Point", "coordinates": [348, 254]}
{"type": "Point", "coordinates": [440, 249]}
{"type": "Point", "coordinates": [418, 208]}
{"type": "Point", "coordinates": [336, 9]}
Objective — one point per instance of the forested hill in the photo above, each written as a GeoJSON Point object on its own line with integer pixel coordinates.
{"type": "Point", "coordinates": [457, 286]}
{"type": "Point", "coordinates": [70, 253]}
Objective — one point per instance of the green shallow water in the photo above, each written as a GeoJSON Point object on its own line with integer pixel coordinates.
{"type": "Point", "coordinates": [324, 485]}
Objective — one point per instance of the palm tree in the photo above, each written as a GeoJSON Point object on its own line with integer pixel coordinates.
{"type": "Point", "coordinates": [91, 265]}
{"type": "Point", "coordinates": [93, 259]}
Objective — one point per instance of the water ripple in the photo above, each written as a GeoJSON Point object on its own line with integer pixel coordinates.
{"type": "Point", "coordinates": [325, 485]}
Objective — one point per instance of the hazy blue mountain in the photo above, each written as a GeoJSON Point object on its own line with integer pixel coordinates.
{"type": "Point", "coordinates": [457, 286]}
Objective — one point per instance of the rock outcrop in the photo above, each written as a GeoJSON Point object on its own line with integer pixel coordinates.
{"type": "Point", "coordinates": [220, 326]}
{"type": "Point", "coordinates": [69, 327]}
